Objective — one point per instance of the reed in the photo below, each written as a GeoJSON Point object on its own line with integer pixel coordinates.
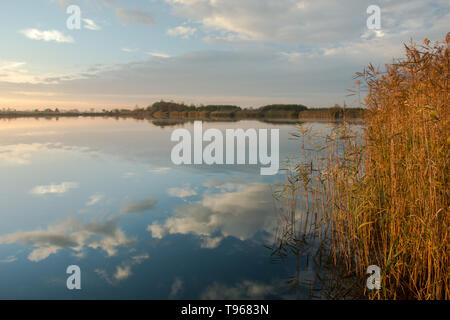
{"type": "Point", "coordinates": [380, 196]}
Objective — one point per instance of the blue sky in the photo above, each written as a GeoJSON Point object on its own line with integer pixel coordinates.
{"type": "Point", "coordinates": [245, 52]}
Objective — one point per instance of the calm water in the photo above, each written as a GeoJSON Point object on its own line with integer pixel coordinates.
{"type": "Point", "coordinates": [103, 194]}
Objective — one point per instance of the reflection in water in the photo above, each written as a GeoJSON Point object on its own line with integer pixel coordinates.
{"type": "Point", "coordinates": [123, 271]}
{"type": "Point", "coordinates": [72, 234]}
{"type": "Point", "coordinates": [54, 188]}
{"type": "Point", "coordinates": [230, 209]}
{"type": "Point", "coordinates": [245, 290]}
{"type": "Point", "coordinates": [103, 194]}
{"type": "Point", "coordinates": [20, 154]}
{"type": "Point", "coordinates": [304, 230]}
{"type": "Point", "coordinates": [138, 206]}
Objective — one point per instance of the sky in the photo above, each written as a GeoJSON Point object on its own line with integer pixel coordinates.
{"type": "Point", "coordinates": [243, 52]}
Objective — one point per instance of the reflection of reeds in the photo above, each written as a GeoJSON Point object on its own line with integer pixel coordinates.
{"type": "Point", "coordinates": [380, 197]}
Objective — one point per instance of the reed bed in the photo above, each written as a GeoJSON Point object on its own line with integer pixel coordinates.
{"type": "Point", "coordinates": [380, 195]}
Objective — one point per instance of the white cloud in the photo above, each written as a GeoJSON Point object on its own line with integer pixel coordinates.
{"type": "Point", "coordinates": [71, 234]}
{"type": "Point", "coordinates": [311, 78]}
{"type": "Point", "coordinates": [185, 32]}
{"type": "Point", "coordinates": [139, 259]}
{"type": "Point", "coordinates": [160, 170]}
{"type": "Point", "coordinates": [123, 271]}
{"type": "Point", "coordinates": [240, 213]}
{"type": "Point", "coordinates": [267, 20]}
{"type": "Point", "coordinates": [371, 34]}
{"type": "Point", "coordinates": [111, 242]}
{"type": "Point", "coordinates": [159, 54]}
{"type": "Point", "coordinates": [15, 66]}
{"type": "Point", "coordinates": [315, 23]}
{"type": "Point", "coordinates": [325, 43]}
{"type": "Point", "coordinates": [15, 72]}
{"type": "Point", "coordinates": [54, 188]}
{"type": "Point", "coordinates": [47, 35]}
{"type": "Point", "coordinates": [94, 199]}
{"type": "Point", "coordinates": [129, 50]}
{"type": "Point", "coordinates": [181, 192]}
{"type": "Point", "coordinates": [18, 154]}
{"type": "Point", "coordinates": [9, 259]}
{"type": "Point", "coordinates": [133, 206]}
{"type": "Point", "coordinates": [91, 25]}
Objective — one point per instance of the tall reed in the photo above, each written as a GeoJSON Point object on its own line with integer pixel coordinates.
{"type": "Point", "coordinates": [381, 197]}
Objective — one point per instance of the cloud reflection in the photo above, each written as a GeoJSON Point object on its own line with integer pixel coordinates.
{"type": "Point", "coordinates": [9, 259]}
{"type": "Point", "coordinates": [246, 290]}
{"type": "Point", "coordinates": [54, 188]}
{"type": "Point", "coordinates": [181, 192]}
{"type": "Point", "coordinates": [176, 288]}
{"type": "Point", "coordinates": [19, 154]}
{"type": "Point", "coordinates": [123, 271]}
{"type": "Point", "coordinates": [134, 206]}
{"type": "Point", "coordinates": [94, 199]}
{"type": "Point", "coordinates": [241, 213]}
{"type": "Point", "coordinates": [71, 234]}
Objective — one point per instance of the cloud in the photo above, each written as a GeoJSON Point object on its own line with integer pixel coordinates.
{"type": "Point", "coordinates": [138, 206]}
{"type": "Point", "coordinates": [241, 213]}
{"type": "Point", "coordinates": [315, 23]}
{"type": "Point", "coordinates": [185, 32]}
{"type": "Point", "coordinates": [71, 234]}
{"type": "Point", "coordinates": [65, 3]}
{"type": "Point", "coordinates": [123, 271]}
{"type": "Point", "coordinates": [104, 275]}
{"type": "Point", "coordinates": [18, 154]}
{"type": "Point", "coordinates": [224, 185]}
{"type": "Point", "coordinates": [286, 51]}
{"type": "Point", "coordinates": [94, 199]}
{"type": "Point", "coordinates": [181, 192]}
{"type": "Point", "coordinates": [278, 21]}
{"type": "Point", "coordinates": [246, 290]}
{"type": "Point", "coordinates": [132, 16]}
{"type": "Point", "coordinates": [176, 288]}
{"type": "Point", "coordinates": [160, 170]}
{"type": "Point", "coordinates": [11, 66]}
{"type": "Point", "coordinates": [129, 50]}
{"type": "Point", "coordinates": [91, 25]}
{"type": "Point", "coordinates": [54, 188]}
{"type": "Point", "coordinates": [234, 83]}
{"type": "Point", "coordinates": [159, 54]}
{"type": "Point", "coordinates": [245, 77]}
{"type": "Point", "coordinates": [9, 259]}
{"type": "Point", "coordinates": [16, 72]}
{"type": "Point", "coordinates": [139, 259]}
{"type": "Point", "coordinates": [47, 35]}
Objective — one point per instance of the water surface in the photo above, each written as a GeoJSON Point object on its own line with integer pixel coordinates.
{"type": "Point", "coordinates": [103, 194]}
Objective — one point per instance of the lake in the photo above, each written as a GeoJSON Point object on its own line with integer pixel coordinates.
{"type": "Point", "coordinates": [104, 195]}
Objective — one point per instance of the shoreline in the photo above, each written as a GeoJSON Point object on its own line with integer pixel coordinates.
{"type": "Point", "coordinates": [17, 115]}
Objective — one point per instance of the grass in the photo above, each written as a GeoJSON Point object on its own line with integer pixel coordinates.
{"type": "Point", "coordinates": [379, 196]}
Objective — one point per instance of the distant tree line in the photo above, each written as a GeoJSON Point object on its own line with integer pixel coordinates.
{"type": "Point", "coordinates": [173, 110]}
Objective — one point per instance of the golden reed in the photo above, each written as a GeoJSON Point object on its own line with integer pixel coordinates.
{"type": "Point", "coordinates": [380, 196]}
